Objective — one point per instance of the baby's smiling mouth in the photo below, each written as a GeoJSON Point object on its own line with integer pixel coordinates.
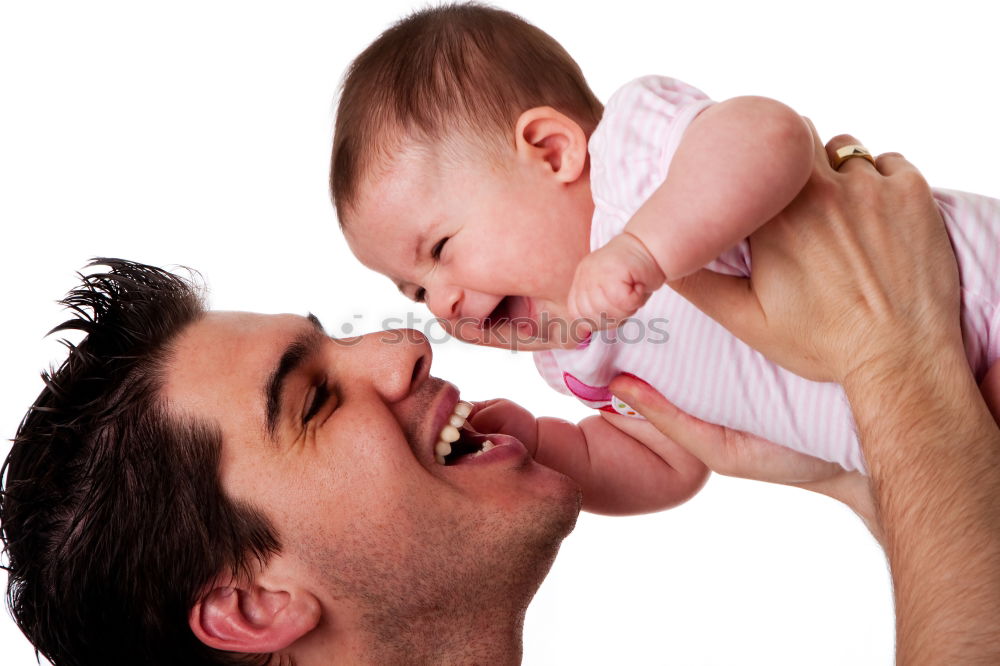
{"type": "Point", "coordinates": [511, 309]}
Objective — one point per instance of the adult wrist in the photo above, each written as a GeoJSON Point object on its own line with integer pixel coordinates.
{"type": "Point", "coordinates": [898, 398]}
{"type": "Point", "coordinates": [896, 357]}
{"type": "Point", "coordinates": [932, 449]}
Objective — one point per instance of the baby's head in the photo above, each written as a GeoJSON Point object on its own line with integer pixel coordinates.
{"type": "Point", "coordinates": [460, 170]}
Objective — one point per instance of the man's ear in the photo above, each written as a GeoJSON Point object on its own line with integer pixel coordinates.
{"type": "Point", "coordinates": [262, 616]}
{"type": "Point", "coordinates": [544, 134]}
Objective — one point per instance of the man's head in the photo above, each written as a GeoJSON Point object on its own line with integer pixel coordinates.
{"type": "Point", "coordinates": [112, 515]}
{"type": "Point", "coordinates": [237, 483]}
{"type": "Point", "coordinates": [460, 168]}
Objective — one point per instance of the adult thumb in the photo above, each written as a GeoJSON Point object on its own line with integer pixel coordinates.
{"type": "Point", "coordinates": [728, 299]}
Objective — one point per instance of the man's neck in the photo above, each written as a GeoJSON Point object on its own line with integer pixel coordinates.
{"type": "Point", "coordinates": [487, 636]}
{"type": "Point", "coordinates": [495, 637]}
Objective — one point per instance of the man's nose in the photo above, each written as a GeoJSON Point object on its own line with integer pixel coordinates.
{"type": "Point", "coordinates": [393, 362]}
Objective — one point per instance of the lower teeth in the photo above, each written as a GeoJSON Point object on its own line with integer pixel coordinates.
{"type": "Point", "coordinates": [442, 451]}
{"type": "Point", "coordinates": [487, 445]}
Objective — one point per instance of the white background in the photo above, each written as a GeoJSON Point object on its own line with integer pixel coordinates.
{"type": "Point", "coordinates": [198, 133]}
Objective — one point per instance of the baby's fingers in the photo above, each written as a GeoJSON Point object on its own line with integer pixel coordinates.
{"type": "Point", "coordinates": [590, 308]}
{"type": "Point", "coordinates": [586, 295]}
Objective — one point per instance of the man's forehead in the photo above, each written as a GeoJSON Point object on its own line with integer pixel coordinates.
{"type": "Point", "coordinates": [220, 363]}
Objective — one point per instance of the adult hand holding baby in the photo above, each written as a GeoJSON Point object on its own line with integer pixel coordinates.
{"type": "Point", "coordinates": [857, 266]}
{"type": "Point", "coordinates": [856, 282]}
{"type": "Point", "coordinates": [837, 278]}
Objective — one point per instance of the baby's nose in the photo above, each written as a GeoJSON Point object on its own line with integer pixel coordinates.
{"type": "Point", "coordinates": [445, 302]}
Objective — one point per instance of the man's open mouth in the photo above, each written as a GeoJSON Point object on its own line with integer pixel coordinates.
{"type": "Point", "coordinates": [457, 440]}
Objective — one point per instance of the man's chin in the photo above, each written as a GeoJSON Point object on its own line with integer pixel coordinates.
{"type": "Point", "coordinates": [543, 500]}
{"type": "Point", "coordinates": [550, 525]}
{"type": "Point", "coordinates": [560, 502]}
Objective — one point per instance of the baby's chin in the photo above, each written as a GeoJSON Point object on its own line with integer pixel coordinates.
{"type": "Point", "coordinates": [525, 335]}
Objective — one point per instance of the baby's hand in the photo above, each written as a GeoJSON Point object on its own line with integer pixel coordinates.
{"type": "Point", "coordinates": [613, 282]}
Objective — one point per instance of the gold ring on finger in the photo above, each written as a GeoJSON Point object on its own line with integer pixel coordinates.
{"type": "Point", "coordinates": [847, 152]}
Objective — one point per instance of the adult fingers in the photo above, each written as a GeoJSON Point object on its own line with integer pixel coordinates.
{"type": "Point", "coordinates": [853, 163]}
{"type": "Point", "coordinates": [893, 163]}
{"type": "Point", "coordinates": [838, 142]}
{"type": "Point", "coordinates": [819, 149]}
{"type": "Point", "coordinates": [703, 440]}
{"type": "Point", "coordinates": [724, 451]}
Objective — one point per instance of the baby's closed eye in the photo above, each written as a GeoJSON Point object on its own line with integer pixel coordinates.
{"type": "Point", "coordinates": [439, 247]}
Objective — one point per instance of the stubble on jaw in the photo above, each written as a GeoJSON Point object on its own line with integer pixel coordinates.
{"type": "Point", "coordinates": [437, 584]}
{"type": "Point", "coordinates": [453, 591]}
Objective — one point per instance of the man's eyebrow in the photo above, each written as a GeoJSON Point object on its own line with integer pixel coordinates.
{"type": "Point", "coordinates": [314, 320]}
{"type": "Point", "coordinates": [295, 353]}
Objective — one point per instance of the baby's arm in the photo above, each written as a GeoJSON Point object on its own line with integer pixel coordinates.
{"type": "Point", "coordinates": [739, 164]}
{"type": "Point", "coordinates": [618, 474]}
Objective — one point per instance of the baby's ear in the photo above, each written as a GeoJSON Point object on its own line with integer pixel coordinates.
{"type": "Point", "coordinates": [545, 135]}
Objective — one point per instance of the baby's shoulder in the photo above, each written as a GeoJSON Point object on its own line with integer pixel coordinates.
{"type": "Point", "coordinates": [638, 133]}
{"type": "Point", "coordinates": [653, 90]}
{"type": "Point", "coordinates": [646, 111]}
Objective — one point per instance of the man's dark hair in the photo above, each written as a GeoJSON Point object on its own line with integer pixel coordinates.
{"type": "Point", "coordinates": [113, 515]}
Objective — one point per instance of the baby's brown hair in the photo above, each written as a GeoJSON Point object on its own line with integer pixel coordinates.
{"type": "Point", "coordinates": [457, 71]}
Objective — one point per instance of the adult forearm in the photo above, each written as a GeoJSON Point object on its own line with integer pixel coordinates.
{"type": "Point", "coordinates": [933, 451]}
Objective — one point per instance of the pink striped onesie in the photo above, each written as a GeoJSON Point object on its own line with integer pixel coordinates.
{"type": "Point", "coordinates": [687, 356]}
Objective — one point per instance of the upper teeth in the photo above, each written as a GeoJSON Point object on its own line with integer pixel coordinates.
{"type": "Point", "coordinates": [449, 433]}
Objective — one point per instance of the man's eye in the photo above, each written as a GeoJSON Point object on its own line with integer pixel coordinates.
{"type": "Point", "coordinates": [420, 295]}
{"type": "Point", "coordinates": [437, 249]}
{"type": "Point", "coordinates": [320, 398]}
